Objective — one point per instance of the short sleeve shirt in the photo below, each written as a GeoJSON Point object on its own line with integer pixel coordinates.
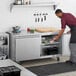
{"type": "Point", "coordinates": [68, 19]}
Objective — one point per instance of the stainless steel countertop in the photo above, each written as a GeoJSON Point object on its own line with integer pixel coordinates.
{"type": "Point", "coordinates": [24, 33]}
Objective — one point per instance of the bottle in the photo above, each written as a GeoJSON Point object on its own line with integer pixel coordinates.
{"type": "Point", "coordinates": [28, 29]}
{"type": "Point", "coordinates": [22, 2]}
{"type": "Point", "coordinates": [29, 2]}
{"type": "Point", "coordinates": [18, 1]}
{"type": "Point", "coordinates": [26, 2]}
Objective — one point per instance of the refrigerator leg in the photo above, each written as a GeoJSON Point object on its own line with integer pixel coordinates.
{"type": "Point", "coordinates": [58, 58]}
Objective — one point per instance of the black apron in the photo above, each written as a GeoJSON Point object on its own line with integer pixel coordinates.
{"type": "Point", "coordinates": [73, 34]}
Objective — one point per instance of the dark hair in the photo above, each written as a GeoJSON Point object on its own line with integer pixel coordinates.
{"type": "Point", "coordinates": [58, 11]}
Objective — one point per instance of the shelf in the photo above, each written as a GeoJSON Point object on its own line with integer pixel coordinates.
{"type": "Point", "coordinates": [49, 33]}
{"type": "Point", "coordinates": [35, 5]}
{"type": "Point", "coordinates": [48, 56]}
{"type": "Point", "coordinates": [46, 44]}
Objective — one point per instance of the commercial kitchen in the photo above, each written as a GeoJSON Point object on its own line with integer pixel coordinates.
{"type": "Point", "coordinates": [34, 41]}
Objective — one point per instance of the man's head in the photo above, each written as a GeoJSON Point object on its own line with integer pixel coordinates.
{"type": "Point", "coordinates": [59, 13]}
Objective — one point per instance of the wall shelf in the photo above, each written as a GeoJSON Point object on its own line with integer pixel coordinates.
{"type": "Point", "coordinates": [47, 4]}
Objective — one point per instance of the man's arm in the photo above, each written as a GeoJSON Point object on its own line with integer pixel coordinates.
{"type": "Point", "coordinates": [59, 35]}
{"type": "Point", "coordinates": [49, 29]}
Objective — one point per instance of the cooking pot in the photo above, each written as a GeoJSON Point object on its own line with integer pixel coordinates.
{"type": "Point", "coordinates": [16, 29]}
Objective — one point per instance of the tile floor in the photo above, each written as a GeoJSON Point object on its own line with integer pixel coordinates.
{"type": "Point", "coordinates": [48, 61]}
{"type": "Point", "coordinates": [43, 61]}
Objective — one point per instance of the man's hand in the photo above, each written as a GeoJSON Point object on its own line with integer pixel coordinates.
{"type": "Point", "coordinates": [54, 39]}
{"type": "Point", "coordinates": [58, 36]}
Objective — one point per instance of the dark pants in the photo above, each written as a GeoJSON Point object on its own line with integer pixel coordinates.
{"type": "Point", "coordinates": [73, 52]}
{"type": "Point", "coordinates": [72, 44]}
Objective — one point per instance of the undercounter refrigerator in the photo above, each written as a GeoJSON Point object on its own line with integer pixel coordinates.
{"type": "Point", "coordinates": [29, 46]}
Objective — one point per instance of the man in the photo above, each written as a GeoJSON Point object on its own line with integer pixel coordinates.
{"type": "Point", "coordinates": [67, 19]}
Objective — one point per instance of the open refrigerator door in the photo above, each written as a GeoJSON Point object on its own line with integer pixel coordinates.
{"type": "Point", "coordinates": [4, 46]}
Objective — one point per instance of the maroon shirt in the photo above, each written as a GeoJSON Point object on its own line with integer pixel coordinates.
{"type": "Point", "coordinates": [68, 19]}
